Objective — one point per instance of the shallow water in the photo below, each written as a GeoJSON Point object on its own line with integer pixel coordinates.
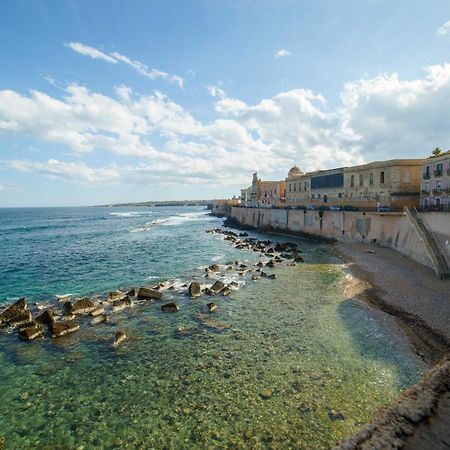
{"type": "Point", "coordinates": [299, 367]}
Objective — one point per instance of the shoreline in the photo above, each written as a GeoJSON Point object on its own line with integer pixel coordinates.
{"type": "Point", "coordinates": [430, 342]}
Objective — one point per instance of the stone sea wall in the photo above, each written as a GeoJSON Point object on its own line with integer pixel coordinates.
{"type": "Point", "coordinates": [386, 229]}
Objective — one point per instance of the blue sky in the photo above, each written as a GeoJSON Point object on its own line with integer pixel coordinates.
{"type": "Point", "coordinates": [113, 101]}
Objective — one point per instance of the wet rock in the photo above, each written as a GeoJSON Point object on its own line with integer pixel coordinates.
{"type": "Point", "coordinates": [265, 394]}
{"type": "Point", "coordinates": [82, 306]}
{"type": "Point", "coordinates": [119, 338]}
{"type": "Point", "coordinates": [46, 318]}
{"type": "Point", "coordinates": [278, 259]}
{"type": "Point", "coordinates": [195, 289]}
{"type": "Point", "coordinates": [335, 415]}
{"type": "Point", "coordinates": [271, 263]}
{"type": "Point", "coordinates": [263, 274]}
{"type": "Point", "coordinates": [260, 264]}
{"type": "Point", "coordinates": [208, 291]}
{"type": "Point", "coordinates": [31, 333]}
{"type": "Point", "coordinates": [132, 292]}
{"type": "Point", "coordinates": [118, 305]}
{"type": "Point", "coordinates": [255, 277]}
{"type": "Point", "coordinates": [116, 295]}
{"type": "Point", "coordinates": [211, 307]}
{"type": "Point", "coordinates": [214, 268]}
{"type": "Point", "coordinates": [233, 285]}
{"type": "Point", "coordinates": [171, 288]}
{"type": "Point", "coordinates": [217, 286]}
{"type": "Point", "coordinates": [242, 266]}
{"type": "Point", "coordinates": [22, 318]}
{"type": "Point", "coordinates": [97, 311]}
{"type": "Point", "coordinates": [101, 318]}
{"type": "Point", "coordinates": [58, 329]}
{"type": "Point", "coordinates": [299, 259]}
{"type": "Point", "coordinates": [226, 291]}
{"type": "Point", "coordinates": [149, 294]}
{"type": "Point", "coordinates": [243, 234]}
{"type": "Point", "coordinates": [170, 307]}
{"type": "Point", "coordinates": [13, 311]}
{"type": "Point", "coordinates": [272, 276]}
{"type": "Point", "coordinates": [229, 268]}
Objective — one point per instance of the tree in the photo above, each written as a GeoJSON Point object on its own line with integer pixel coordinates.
{"type": "Point", "coordinates": [436, 152]}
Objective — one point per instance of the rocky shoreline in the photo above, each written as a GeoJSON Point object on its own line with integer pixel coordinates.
{"type": "Point", "coordinates": [36, 321]}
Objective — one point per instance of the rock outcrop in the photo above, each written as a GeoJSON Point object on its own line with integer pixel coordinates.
{"type": "Point", "coordinates": [195, 289]}
{"type": "Point", "coordinates": [149, 294]}
{"type": "Point", "coordinates": [169, 307]}
{"type": "Point", "coordinates": [58, 329]}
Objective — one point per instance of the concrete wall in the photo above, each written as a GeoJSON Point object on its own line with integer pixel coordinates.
{"type": "Point", "coordinates": [389, 230]}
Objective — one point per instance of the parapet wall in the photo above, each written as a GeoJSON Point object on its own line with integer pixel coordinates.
{"type": "Point", "coordinates": [386, 229]}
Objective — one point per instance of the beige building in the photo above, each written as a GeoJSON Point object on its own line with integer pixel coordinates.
{"type": "Point", "coordinates": [394, 183]}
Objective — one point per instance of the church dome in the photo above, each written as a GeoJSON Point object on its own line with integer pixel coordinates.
{"type": "Point", "coordinates": [294, 172]}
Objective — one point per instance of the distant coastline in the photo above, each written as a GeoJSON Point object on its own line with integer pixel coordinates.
{"type": "Point", "coordinates": [207, 203]}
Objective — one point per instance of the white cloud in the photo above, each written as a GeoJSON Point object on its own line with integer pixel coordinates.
{"type": "Point", "coordinates": [444, 29]}
{"type": "Point", "coordinates": [92, 52]}
{"type": "Point", "coordinates": [77, 172]}
{"type": "Point", "coordinates": [116, 57]}
{"type": "Point", "coordinates": [158, 141]}
{"type": "Point", "coordinates": [283, 53]}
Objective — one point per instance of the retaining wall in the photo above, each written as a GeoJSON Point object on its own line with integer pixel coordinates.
{"type": "Point", "coordinates": [386, 229]}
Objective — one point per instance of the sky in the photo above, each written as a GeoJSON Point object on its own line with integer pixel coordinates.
{"type": "Point", "coordinates": [112, 101]}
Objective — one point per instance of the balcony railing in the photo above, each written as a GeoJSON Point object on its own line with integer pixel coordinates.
{"type": "Point", "coordinates": [426, 176]}
{"type": "Point", "coordinates": [438, 173]}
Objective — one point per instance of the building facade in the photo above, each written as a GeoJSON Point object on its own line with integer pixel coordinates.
{"type": "Point", "coordinates": [264, 193]}
{"type": "Point", "coordinates": [435, 186]}
{"type": "Point", "coordinates": [394, 183]}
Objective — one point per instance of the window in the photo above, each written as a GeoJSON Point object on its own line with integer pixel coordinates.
{"type": "Point", "coordinates": [352, 180]}
{"type": "Point", "coordinates": [312, 197]}
{"type": "Point", "coordinates": [361, 180]}
{"type": "Point", "coordinates": [290, 187]}
{"type": "Point", "coordinates": [340, 195]}
{"type": "Point", "coordinates": [371, 178]}
{"type": "Point", "coordinates": [438, 185]}
{"type": "Point", "coordinates": [306, 185]}
{"type": "Point", "coordinates": [382, 177]}
{"type": "Point", "coordinates": [318, 196]}
{"type": "Point", "coordinates": [275, 191]}
{"type": "Point", "coordinates": [427, 187]}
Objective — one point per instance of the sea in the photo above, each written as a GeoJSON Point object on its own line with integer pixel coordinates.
{"type": "Point", "coordinates": [282, 363]}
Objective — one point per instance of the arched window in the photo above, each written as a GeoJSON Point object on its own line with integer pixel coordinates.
{"type": "Point", "coordinates": [290, 187]}
{"type": "Point", "coordinates": [361, 179]}
{"type": "Point", "coordinates": [371, 178]}
{"type": "Point", "coordinates": [382, 177]}
{"type": "Point", "coordinates": [295, 187]}
{"type": "Point", "coordinates": [352, 180]}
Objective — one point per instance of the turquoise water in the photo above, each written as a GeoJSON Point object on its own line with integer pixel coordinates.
{"type": "Point", "coordinates": [285, 363]}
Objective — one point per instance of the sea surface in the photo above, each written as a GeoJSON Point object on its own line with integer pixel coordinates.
{"type": "Point", "coordinates": [284, 363]}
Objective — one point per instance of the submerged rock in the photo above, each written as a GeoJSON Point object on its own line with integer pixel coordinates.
{"type": "Point", "coordinates": [119, 338]}
{"type": "Point", "coordinates": [195, 289]}
{"type": "Point", "coordinates": [59, 329]}
{"type": "Point", "coordinates": [31, 333]}
{"type": "Point", "coordinates": [211, 307]}
{"type": "Point", "coordinates": [13, 311]}
{"type": "Point", "coordinates": [149, 294]}
{"type": "Point", "coordinates": [115, 295]}
{"type": "Point", "coordinates": [265, 394]}
{"type": "Point", "coordinates": [97, 311]}
{"type": "Point", "coordinates": [255, 277]}
{"type": "Point", "coordinates": [170, 307]}
{"type": "Point", "coordinates": [101, 318]}
{"type": "Point", "coordinates": [272, 276]}
{"type": "Point", "coordinates": [121, 304]}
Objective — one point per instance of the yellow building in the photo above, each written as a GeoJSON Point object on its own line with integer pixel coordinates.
{"type": "Point", "coordinates": [394, 183]}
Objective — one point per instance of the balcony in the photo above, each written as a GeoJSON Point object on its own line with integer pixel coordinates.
{"type": "Point", "coordinates": [426, 176]}
{"type": "Point", "coordinates": [438, 173]}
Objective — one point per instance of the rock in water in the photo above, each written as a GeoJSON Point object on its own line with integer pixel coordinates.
{"type": "Point", "coordinates": [255, 277]}
{"type": "Point", "coordinates": [82, 306]}
{"type": "Point", "coordinates": [170, 307]}
{"type": "Point", "coordinates": [101, 318]}
{"type": "Point", "coordinates": [195, 289]}
{"type": "Point", "coordinates": [211, 307]}
{"type": "Point", "coordinates": [226, 291]}
{"type": "Point", "coordinates": [214, 268]}
{"type": "Point", "coordinates": [299, 259]}
{"type": "Point", "coordinates": [31, 333]}
{"type": "Point", "coordinates": [119, 338]}
{"type": "Point", "coordinates": [121, 304]}
{"type": "Point", "coordinates": [271, 263]}
{"type": "Point", "coordinates": [14, 310]}
{"type": "Point", "coordinates": [115, 295]}
{"type": "Point", "coordinates": [97, 311]}
{"type": "Point", "coordinates": [149, 294]}
{"type": "Point", "coordinates": [260, 264]}
{"type": "Point", "coordinates": [46, 317]}
{"type": "Point", "coordinates": [273, 276]}
{"type": "Point", "coordinates": [22, 318]}
{"type": "Point", "coordinates": [217, 286]}
{"type": "Point", "coordinates": [266, 394]}
{"type": "Point", "coordinates": [59, 329]}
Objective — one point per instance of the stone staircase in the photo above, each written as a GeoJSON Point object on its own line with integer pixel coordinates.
{"type": "Point", "coordinates": [435, 252]}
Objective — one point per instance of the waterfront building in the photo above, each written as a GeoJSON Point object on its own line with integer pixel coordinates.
{"type": "Point", "coordinates": [297, 187]}
{"type": "Point", "coordinates": [327, 186]}
{"type": "Point", "coordinates": [435, 186]}
{"type": "Point", "coordinates": [264, 193]}
{"type": "Point", "coordinates": [246, 196]}
{"type": "Point", "coordinates": [394, 184]}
